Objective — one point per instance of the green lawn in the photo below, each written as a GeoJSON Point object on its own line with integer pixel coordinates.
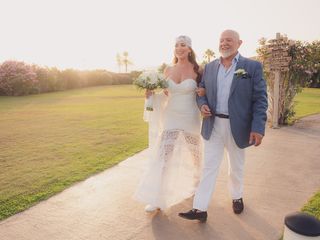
{"type": "Point", "coordinates": [307, 102]}
{"type": "Point", "coordinates": [313, 206]}
{"type": "Point", "coordinates": [50, 141]}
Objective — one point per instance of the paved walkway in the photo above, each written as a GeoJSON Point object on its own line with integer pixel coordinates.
{"type": "Point", "coordinates": [280, 177]}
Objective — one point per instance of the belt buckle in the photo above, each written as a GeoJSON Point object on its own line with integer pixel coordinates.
{"type": "Point", "coordinates": [220, 115]}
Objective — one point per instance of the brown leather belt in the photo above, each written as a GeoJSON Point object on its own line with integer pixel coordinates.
{"type": "Point", "coordinates": [221, 115]}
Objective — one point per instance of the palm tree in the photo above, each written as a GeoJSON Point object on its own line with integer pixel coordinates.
{"type": "Point", "coordinates": [125, 60]}
{"type": "Point", "coordinates": [119, 61]}
{"type": "Point", "coordinates": [208, 54]}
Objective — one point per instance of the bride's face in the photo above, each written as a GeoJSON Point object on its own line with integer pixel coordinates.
{"type": "Point", "coordinates": [181, 50]}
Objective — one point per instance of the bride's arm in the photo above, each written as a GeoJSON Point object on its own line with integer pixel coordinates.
{"type": "Point", "coordinates": [202, 99]}
{"type": "Point", "coordinates": [166, 71]}
{"type": "Point", "coordinates": [201, 91]}
{"type": "Point", "coordinates": [166, 74]}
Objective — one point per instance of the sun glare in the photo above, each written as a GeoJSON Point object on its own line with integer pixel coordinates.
{"type": "Point", "coordinates": [89, 34]}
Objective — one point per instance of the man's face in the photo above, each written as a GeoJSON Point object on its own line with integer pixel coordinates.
{"type": "Point", "coordinates": [229, 44]}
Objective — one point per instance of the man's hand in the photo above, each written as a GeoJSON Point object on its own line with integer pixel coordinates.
{"type": "Point", "coordinates": [255, 138]}
{"type": "Point", "coordinates": [166, 92]}
{"type": "Point", "coordinates": [201, 91]}
{"type": "Point", "coordinates": [205, 111]}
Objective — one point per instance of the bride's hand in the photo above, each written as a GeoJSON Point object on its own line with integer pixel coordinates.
{"type": "Point", "coordinates": [166, 92]}
{"type": "Point", "coordinates": [201, 91]}
{"type": "Point", "coordinates": [148, 93]}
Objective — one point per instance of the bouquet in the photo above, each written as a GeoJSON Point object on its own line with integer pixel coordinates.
{"type": "Point", "coordinates": [150, 80]}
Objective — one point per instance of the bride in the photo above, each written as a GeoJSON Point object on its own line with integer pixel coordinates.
{"type": "Point", "coordinates": [174, 134]}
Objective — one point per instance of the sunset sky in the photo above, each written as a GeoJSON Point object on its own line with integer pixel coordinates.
{"type": "Point", "coordinates": [87, 34]}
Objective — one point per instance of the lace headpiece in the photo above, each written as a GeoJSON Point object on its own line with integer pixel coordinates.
{"type": "Point", "coordinates": [184, 39]}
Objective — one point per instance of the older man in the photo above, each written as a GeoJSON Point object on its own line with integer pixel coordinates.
{"type": "Point", "coordinates": [234, 110]}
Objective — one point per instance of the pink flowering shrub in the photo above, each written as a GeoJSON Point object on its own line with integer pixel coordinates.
{"type": "Point", "coordinates": [17, 78]}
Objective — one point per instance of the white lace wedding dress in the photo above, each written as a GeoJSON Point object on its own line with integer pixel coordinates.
{"type": "Point", "coordinates": [175, 147]}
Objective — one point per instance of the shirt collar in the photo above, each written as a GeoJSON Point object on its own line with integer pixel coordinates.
{"type": "Point", "coordinates": [236, 58]}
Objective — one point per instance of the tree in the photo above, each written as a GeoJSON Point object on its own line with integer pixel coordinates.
{"type": "Point", "coordinates": [71, 78]}
{"type": "Point", "coordinates": [119, 62]}
{"type": "Point", "coordinates": [125, 60]}
{"type": "Point", "coordinates": [304, 67]}
{"type": "Point", "coordinates": [17, 78]}
{"type": "Point", "coordinates": [208, 55]}
{"type": "Point", "coordinates": [314, 61]}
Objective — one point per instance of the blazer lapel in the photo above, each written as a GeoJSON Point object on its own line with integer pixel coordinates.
{"type": "Point", "coordinates": [240, 65]}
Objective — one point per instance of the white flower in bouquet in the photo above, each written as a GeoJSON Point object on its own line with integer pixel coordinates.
{"type": "Point", "coordinates": [150, 80]}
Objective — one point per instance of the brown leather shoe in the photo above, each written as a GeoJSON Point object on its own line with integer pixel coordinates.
{"type": "Point", "coordinates": [195, 214]}
{"type": "Point", "coordinates": [237, 205]}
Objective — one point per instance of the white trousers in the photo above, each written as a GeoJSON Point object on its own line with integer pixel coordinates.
{"type": "Point", "coordinates": [220, 139]}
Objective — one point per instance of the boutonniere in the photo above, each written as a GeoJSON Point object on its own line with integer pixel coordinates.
{"type": "Point", "coordinates": [241, 73]}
